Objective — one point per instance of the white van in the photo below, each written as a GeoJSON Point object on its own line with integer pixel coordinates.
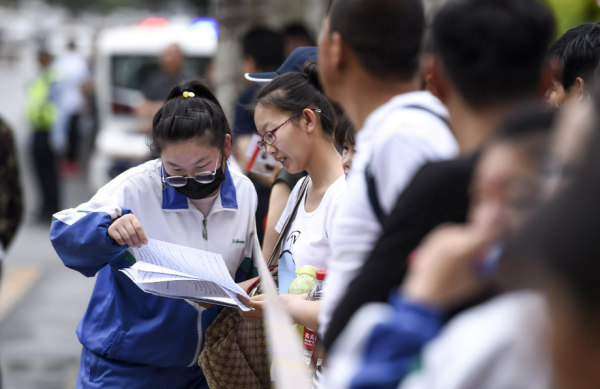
{"type": "Point", "coordinates": [124, 55]}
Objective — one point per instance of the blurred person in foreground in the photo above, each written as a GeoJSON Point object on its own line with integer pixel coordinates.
{"type": "Point", "coordinates": [369, 64]}
{"type": "Point", "coordinates": [495, 345]}
{"type": "Point", "coordinates": [11, 201]}
{"type": "Point", "coordinates": [263, 52]}
{"type": "Point", "coordinates": [42, 114]}
{"type": "Point", "coordinates": [73, 73]}
{"type": "Point", "coordinates": [578, 51]}
{"type": "Point", "coordinates": [157, 84]}
{"type": "Point", "coordinates": [296, 35]}
{"type": "Point", "coordinates": [464, 71]}
{"type": "Point", "coordinates": [557, 253]}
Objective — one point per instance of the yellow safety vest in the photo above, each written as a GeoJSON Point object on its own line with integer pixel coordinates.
{"type": "Point", "coordinates": [41, 110]}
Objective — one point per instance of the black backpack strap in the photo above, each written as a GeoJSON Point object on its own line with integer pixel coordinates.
{"type": "Point", "coordinates": [431, 112]}
{"type": "Point", "coordinates": [372, 193]}
{"type": "Point", "coordinates": [370, 180]}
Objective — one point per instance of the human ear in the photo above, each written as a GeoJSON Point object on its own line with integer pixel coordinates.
{"type": "Point", "coordinates": [551, 71]}
{"type": "Point", "coordinates": [311, 120]}
{"type": "Point", "coordinates": [436, 78]}
{"type": "Point", "coordinates": [581, 88]}
{"type": "Point", "coordinates": [227, 147]}
{"type": "Point", "coordinates": [337, 52]}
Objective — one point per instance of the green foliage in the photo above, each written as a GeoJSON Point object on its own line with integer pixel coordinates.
{"type": "Point", "coordinates": [571, 13]}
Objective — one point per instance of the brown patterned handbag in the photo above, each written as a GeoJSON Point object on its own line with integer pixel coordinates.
{"type": "Point", "coordinates": [235, 353]}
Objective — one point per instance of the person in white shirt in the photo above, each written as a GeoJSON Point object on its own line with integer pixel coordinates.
{"type": "Point", "coordinates": [296, 122]}
{"type": "Point", "coordinates": [73, 73]}
{"type": "Point", "coordinates": [189, 197]}
{"type": "Point", "coordinates": [369, 59]}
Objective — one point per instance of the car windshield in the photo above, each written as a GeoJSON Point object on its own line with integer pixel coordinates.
{"type": "Point", "coordinates": [132, 75]}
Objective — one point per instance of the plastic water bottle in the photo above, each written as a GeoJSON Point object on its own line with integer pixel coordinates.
{"type": "Point", "coordinates": [309, 337]}
{"type": "Point", "coordinates": [302, 284]}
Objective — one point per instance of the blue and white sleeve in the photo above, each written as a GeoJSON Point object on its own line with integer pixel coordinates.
{"type": "Point", "coordinates": [80, 235]}
{"type": "Point", "coordinates": [381, 343]}
{"type": "Point", "coordinates": [393, 346]}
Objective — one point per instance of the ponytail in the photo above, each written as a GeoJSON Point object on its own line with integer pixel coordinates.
{"type": "Point", "coordinates": [191, 111]}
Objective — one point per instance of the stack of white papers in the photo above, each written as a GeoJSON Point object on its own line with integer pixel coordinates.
{"type": "Point", "coordinates": [169, 270]}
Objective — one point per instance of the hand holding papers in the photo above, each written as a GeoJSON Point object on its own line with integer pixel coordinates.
{"type": "Point", "coordinates": [169, 270]}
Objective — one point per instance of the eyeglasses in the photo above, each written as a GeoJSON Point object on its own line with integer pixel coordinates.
{"type": "Point", "coordinates": [269, 138]}
{"type": "Point", "coordinates": [202, 177]}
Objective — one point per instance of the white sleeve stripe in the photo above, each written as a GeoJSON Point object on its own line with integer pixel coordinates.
{"type": "Point", "coordinates": [70, 216]}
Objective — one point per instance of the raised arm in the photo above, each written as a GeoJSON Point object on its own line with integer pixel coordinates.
{"type": "Point", "coordinates": [81, 237]}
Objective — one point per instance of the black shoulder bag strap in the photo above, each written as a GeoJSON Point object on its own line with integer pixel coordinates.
{"type": "Point", "coordinates": [277, 248]}
{"type": "Point", "coordinates": [370, 180]}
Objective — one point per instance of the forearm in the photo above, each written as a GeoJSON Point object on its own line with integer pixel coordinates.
{"type": "Point", "coordinates": [81, 239]}
{"type": "Point", "coordinates": [306, 313]}
{"type": "Point", "coordinates": [248, 283]}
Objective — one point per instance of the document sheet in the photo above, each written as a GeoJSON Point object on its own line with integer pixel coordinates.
{"type": "Point", "coordinates": [285, 346]}
{"type": "Point", "coordinates": [171, 270]}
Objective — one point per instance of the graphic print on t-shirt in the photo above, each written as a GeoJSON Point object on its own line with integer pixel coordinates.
{"type": "Point", "coordinates": [307, 242]}
{"type": "Point", "coordinates": [293, 237]}
{"type": "Point", "coordinates": [287, 265]}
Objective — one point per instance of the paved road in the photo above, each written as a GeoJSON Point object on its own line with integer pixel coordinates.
{"type": "Point", "coordinates": [42, 301]}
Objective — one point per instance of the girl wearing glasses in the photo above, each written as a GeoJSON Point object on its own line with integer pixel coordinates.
{"type": "Point", "coordinates": [297, 122]}
{"type": "Point", "coordinates": [189, 197]}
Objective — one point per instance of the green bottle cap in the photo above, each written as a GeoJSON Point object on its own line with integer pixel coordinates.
{"type": "Point", "coordinates": [307, 269]}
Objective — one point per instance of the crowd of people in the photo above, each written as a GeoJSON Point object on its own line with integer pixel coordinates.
{"type": "Point", "coordinates": [449, 193]}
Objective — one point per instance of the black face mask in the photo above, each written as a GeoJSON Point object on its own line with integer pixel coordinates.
{"type": "Point", "coordinates": [197, 191]}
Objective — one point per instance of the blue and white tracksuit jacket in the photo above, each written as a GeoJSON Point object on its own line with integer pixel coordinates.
{"type": "Point", "coordinates": [381, 344]}
{"type": "Point", "coordinates": [125, 324]}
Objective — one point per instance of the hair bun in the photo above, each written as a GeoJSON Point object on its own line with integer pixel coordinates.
{"type": "Point", "coordinates": [197, 87]}
{"type": "Point", "coordinates": [311, 70]}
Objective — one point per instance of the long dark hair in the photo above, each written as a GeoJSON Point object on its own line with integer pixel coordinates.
{"type": "Point", "coordinates": [294, 91]}
{"type": "Point", "coordinates": [182, 119]}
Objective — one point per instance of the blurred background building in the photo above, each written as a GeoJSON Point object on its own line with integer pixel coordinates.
{"type": "Point", "coordinates": [118, 60]}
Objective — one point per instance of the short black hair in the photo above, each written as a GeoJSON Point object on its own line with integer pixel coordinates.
{"type": "Point", "coordinates": [298, 29]}
{"type": "Point", "coordinates": [579, 51]}
{"type": "Point", "coordinates": [493, 50]}
{"type": "Point", "coordinates": [385, 35]}
{"type": "Point", "coordinates": [561, 239]}
{"type": "Point", "coordinates": [185, 118]}
{"type": "Point", "coordinates": [344, 129]}
{"type": "Point", "coordinates": [265, 46]}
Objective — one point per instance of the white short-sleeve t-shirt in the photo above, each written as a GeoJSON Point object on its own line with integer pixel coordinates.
{"type": "Point", "coordinates": [307, 240]}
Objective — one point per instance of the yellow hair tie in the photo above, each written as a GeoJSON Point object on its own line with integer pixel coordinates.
{"type": "Point", "coordinates": [187, 94]}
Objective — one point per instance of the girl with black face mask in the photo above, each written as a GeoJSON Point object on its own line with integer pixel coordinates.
{"type": "Point", "coordinates": [187, 196]}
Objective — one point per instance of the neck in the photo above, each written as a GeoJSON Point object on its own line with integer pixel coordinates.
{"type": "Point", "coordinates": [324, 164]}
{"type": "Point", "coordinates": [472, 128]}
{"type": "Point", "coordinates": [364, 94]}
